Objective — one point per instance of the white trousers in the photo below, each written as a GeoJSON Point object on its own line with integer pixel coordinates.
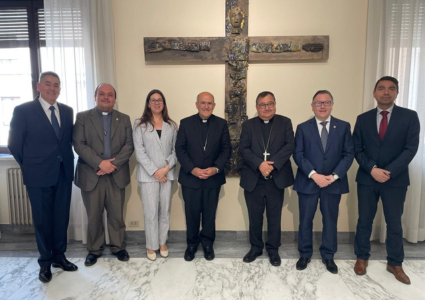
{"type": "Point", "coordinates": [156, 199]}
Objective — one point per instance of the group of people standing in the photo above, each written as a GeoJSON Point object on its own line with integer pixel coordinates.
{"type": "Point", "coordinates": [384, 142]}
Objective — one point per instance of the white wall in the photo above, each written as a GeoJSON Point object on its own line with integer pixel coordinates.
{"type": "Point", "coordinates": [293, 83]}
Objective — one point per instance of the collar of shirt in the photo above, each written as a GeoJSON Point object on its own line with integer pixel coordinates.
{"type": "Point", "coordinates": [320, 127]}
{"type": "Point", "coordinates": [390, 110]}
{"type": "Point", "coordinates": [46, 105]}
{"type": "Point", "coordinates": [319, 121]}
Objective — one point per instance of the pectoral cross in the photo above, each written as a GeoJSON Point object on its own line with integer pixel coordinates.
{"type": "Point", "coordinates": [265, 155]}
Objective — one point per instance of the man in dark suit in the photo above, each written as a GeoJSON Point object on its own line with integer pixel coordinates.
{"type": "Point", "coordinates": [103, 140]}
{"type": "Point", "coordinates": [386, 140]}
{"type": "Point", "coordinates": [324, 152]}
{"type": "Point", "coordinates": [203, 149]}
{"type": "Point", "coordinates": [267, 143]}
{"type": "Point", "coordinates": [40, 139]}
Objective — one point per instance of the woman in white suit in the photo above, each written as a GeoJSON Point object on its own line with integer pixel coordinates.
{"type": "Point", "coordinates": [154, 137]}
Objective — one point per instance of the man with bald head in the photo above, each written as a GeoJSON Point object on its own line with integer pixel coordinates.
{"type": "Point", "coordinates": [203, 149]}
{"type": "Point", "coordinates": [104, 142]}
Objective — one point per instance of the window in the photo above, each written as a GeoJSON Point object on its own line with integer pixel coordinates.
{"type": "Point", "coordinates": [22, 39]}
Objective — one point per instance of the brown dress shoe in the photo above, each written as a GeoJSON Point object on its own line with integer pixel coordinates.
{"type": "Point", "coordinates": [360, 266]}
{"type": "Point", "coordinates": [398, 273]}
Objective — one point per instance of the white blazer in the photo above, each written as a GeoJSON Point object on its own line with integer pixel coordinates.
{"type": "Point", "coordinates": [154, 153]}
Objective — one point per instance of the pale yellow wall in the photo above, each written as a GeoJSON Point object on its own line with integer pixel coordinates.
{"type": "Point", "coordinates": [293, 83]}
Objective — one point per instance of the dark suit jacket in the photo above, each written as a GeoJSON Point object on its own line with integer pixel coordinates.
{"type": "Point", "coordinates": [309, 155]}
{"type": "Point", "coordinates": [281, 148]}
{"type": "Point", "coordinates": [35, 146]}
{"type": "Point", "coordinates": [190, 153]}
{"type": "Point", "coordinates": [88, 144]}
{"type": "Point", "coordinates": [394, 153]}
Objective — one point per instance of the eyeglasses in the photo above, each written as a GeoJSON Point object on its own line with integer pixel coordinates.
{"type": "Point", "coordinates": [325, 103]}
{"type": "Point", "coordinates": [156, 101]}
{"type": "Point", "coordinates": [263, 105]}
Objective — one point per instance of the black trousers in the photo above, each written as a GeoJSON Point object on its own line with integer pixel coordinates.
{"type": "Point", "coordinates": [393, 204]}
{"type": "Point", "coordinates": [50, 212]}
{"type": "Point", "coordinates": [266, 196]}
{"type": "Point", "coordinates": [200, 204]}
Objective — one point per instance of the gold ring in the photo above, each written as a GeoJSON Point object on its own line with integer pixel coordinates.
{"type": "Point", "coordinates": [267, 172]}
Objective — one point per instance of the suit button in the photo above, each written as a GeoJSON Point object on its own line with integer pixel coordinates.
{"type": "Point", "coordinates": [101, 153]}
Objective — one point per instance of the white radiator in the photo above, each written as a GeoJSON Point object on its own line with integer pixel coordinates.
{"type": "Point", "coordinates": [19, 202]}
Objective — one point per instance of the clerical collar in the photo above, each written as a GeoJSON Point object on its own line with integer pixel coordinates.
{"type": "Point", "coordinates": [202, 120]}
{"type": "Point", "coordinates": [103, 113]}
{"type": "Point", "coordinates": [267, 121]}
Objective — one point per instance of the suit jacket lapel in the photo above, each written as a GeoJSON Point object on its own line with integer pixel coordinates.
{"type": "Point", "coordinates": [391, 123]}
{"type": "Point", "coordinates": [43, 117]}
{"type": "Point", "coordinates": [315, 132]}
{"type": "Point", "coordinates": [372, 125]}
{"type": "Point", "coordinates": [333, 127]}
{"type": "Point", "coordinates": [274, 129]}
{"type": "Point", "coordinates": [96, 123]}
{"type": "Point", "coordinates": [62, 116]}
{"type": "Point", "coordinates": [198, 130]}
{"type": "Point", "coordinates": [114, 124]}
{"type": "Point", "coordinates": [259, 133]}
{"type": "Point", "coordinates": [163, 133]}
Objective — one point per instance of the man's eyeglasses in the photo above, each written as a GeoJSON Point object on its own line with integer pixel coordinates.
{"type": "Point", "coordinates": [325, 103]}
{"type": "Point", "coordinates": [263, 105]}
{"type": "Point", "coordinates": [155, 101]}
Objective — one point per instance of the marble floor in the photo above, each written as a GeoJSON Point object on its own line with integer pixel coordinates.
{"type": "Point", "coordinates": [226, 277]}
{"type": "Point", "coordinates": [222, 278]}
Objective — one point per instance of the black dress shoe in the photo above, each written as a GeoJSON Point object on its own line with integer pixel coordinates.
{"type": "Point", "coordinates": [251, 256]}
{"type": "Point", "coordinates": [91, 259]}
{"type": "Point", "coordinates": [65, 265]}
{"type": "Point", "coordinates": [122, 255]}
{"type": "Point", "coordinates": [209, 253]}
{"type": "Point", "coordinates": [330, 265]}
{"type": "Point", "coordinates": [189, 254]}
{"type": "Point", "coordinates": [302, 263]}
{"type": "Point", "coordinates": [45, 274]}
{"type": "Point", "coordinates": [275, 259]}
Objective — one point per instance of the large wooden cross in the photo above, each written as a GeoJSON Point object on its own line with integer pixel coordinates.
{"type": "Point", "coordinates": [236, 49]}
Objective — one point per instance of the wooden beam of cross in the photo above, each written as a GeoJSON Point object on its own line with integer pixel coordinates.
{"type": "Point", "coordinates": [236, 49]}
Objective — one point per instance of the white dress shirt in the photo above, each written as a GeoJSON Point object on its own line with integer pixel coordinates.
{"type": "Point", "coordinates": [46, 107]}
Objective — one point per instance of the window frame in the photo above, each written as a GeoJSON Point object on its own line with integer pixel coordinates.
{"type": "Point", "coordinates": [32, 7]}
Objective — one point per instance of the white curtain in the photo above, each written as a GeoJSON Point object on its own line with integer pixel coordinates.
{"type": "Point", "coordinates": [80, 48]}
{"type": "Point", "coordinates": [396, 47]}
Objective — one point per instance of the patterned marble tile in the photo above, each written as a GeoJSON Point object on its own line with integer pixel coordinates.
{"type": "Point", "coordinates": [222, 278]}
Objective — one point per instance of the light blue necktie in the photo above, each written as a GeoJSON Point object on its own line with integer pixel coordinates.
{"type": "Point", "coordinates": [55, 123]}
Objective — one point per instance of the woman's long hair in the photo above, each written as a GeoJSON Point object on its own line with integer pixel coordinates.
{"type": "Point", "coordinates": [147, 113]}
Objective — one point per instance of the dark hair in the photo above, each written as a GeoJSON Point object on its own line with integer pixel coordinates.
{"type": "Point", "coordinates": [264, 94]}
{"type": "Point", "coordinates": [95, 91]}
{"type": "Point", "coordinates": [48, 73]}
{"type": "Point", "coordinates": [389, 78]}
{"type": "Point", "coordinates": [323, 92]}
{"type": "Point", "coordinates": [147, 113]}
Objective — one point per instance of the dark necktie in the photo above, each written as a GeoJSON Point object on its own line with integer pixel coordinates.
{"type": "Point", "coordinates": [384, 124]}
{"type": "Point", "coordinates": [55, 123]}
{"type": "Point", "coordinates": [324, 134]}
